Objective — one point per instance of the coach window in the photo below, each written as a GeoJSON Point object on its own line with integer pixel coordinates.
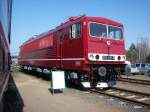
{"type": "Point", "coordinates": [75, 31]}
{"type": "Point", "coordinates": [8, 63]}
{"type": "Point", "coordinates": [1, 58]}
{"type": "Point", "coordinates": [4, 64]}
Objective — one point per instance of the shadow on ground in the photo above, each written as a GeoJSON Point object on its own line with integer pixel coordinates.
{"type": "Point", "coordinates": [47, 77]}
{"type": "Point", "coordinates": [55, 91]}
{"type": "Point", "coordinates": [13, 101]}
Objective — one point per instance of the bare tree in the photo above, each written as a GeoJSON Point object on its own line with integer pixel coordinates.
{"type": "Point", "coordinates": [139, 53]}
{"type": "Point", "coordinates": [148, 59]}
{"type": "Point", "coordinates": [143, 49]}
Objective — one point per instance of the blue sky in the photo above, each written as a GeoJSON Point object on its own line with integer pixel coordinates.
{"type": "Point", "coordinates": [32, 17]}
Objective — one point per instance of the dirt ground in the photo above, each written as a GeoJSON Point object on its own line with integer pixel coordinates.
{"type": "Point", "coordinates": [37, 97]}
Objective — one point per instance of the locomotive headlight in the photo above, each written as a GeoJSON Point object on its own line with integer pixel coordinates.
{"type": "Point", "coordinates": [91, 56]}
{"type": "Point", "coordinates": [124, 57]}
{"type": "Point", "coordinates": [102, 71]}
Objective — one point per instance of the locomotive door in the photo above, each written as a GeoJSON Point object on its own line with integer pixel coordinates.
{"type": "Point", "coordinates": [72, 47]}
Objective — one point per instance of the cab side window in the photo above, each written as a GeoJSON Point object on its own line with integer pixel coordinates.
{"type": "Point", "coordinates": [1, 59]}
{"type": "Point", "coordinates": [75, 31]}
{"type": "Point", "coordinates": [1, 56]}
{"type": "Point", "coordinates": [61, 35]}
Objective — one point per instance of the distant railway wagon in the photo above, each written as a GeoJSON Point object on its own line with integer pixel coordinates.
{"type": "Point", "coordinates": [90, 50]}
{"type": "Point", "coordinates": [5, 29]}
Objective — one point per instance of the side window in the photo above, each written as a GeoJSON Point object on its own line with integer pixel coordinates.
{"type": "Point", "coordinates": [78, 29]}
{"type": "Point", "coordinates": [4, 60]}
{"type": "Point", "coordinates": [1, 55]}
{"type": "Point", "coordinates": [133, 66]}
{"type": "Point", "coordinates": [75, 31]}
{"type": "Point", "coordinates": [137, 65]}
{"type": "Point", "coordinates": [61, 36]}
{"type": "Point", "coordinates": [143, 65]}
{"type": "Point", "coordinates": [1, 58]}
{"type": "Point", "coordinates": [9, 61]}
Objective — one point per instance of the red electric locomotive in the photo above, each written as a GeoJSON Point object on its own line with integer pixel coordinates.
{"type": "Point", "coordinates": [5, 29]}
{"type": "Point", "coordinates": [90, 50]}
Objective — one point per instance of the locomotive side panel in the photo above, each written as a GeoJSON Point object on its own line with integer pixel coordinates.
{"type": "Point", "coordinates": [40, 52]}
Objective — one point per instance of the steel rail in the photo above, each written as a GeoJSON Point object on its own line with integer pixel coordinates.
{"type": "Point", "coordinates": [124, 98]}
{"type": "Point", "coordinates": [131, 91]}
{"type": "Point", "coordinates": [138, 81]}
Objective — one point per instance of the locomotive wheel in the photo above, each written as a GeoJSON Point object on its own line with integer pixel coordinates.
{"type": "Point", "coordinates": [102, 71]}
{"type": "Point", "coordinates": [127, 70]}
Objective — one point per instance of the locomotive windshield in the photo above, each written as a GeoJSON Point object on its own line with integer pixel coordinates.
{"type": "Point", "coordinates": [99, 30]}
{"type": "Point", "coordinates": [114, 32]}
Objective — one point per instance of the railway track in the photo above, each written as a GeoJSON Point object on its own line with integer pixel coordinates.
{"type": "Point", "coordinates": [127, 95]}
{"type": "Point", "coordinates": [137, 81]}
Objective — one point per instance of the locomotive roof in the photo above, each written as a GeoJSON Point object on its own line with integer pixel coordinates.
{"type": "Point", "coordinates": [104, 21]}
{"type": "Point", "coordinates": [72, 20]}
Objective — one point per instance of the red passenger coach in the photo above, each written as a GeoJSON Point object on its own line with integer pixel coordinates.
{"type": "Point", "coordinates": [90, 50]}
{"type": "Point", "coordinates": [5, 32]}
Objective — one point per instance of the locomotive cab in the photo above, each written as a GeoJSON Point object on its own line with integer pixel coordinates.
{"type": "Point", "coordinates": [106, 51]}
